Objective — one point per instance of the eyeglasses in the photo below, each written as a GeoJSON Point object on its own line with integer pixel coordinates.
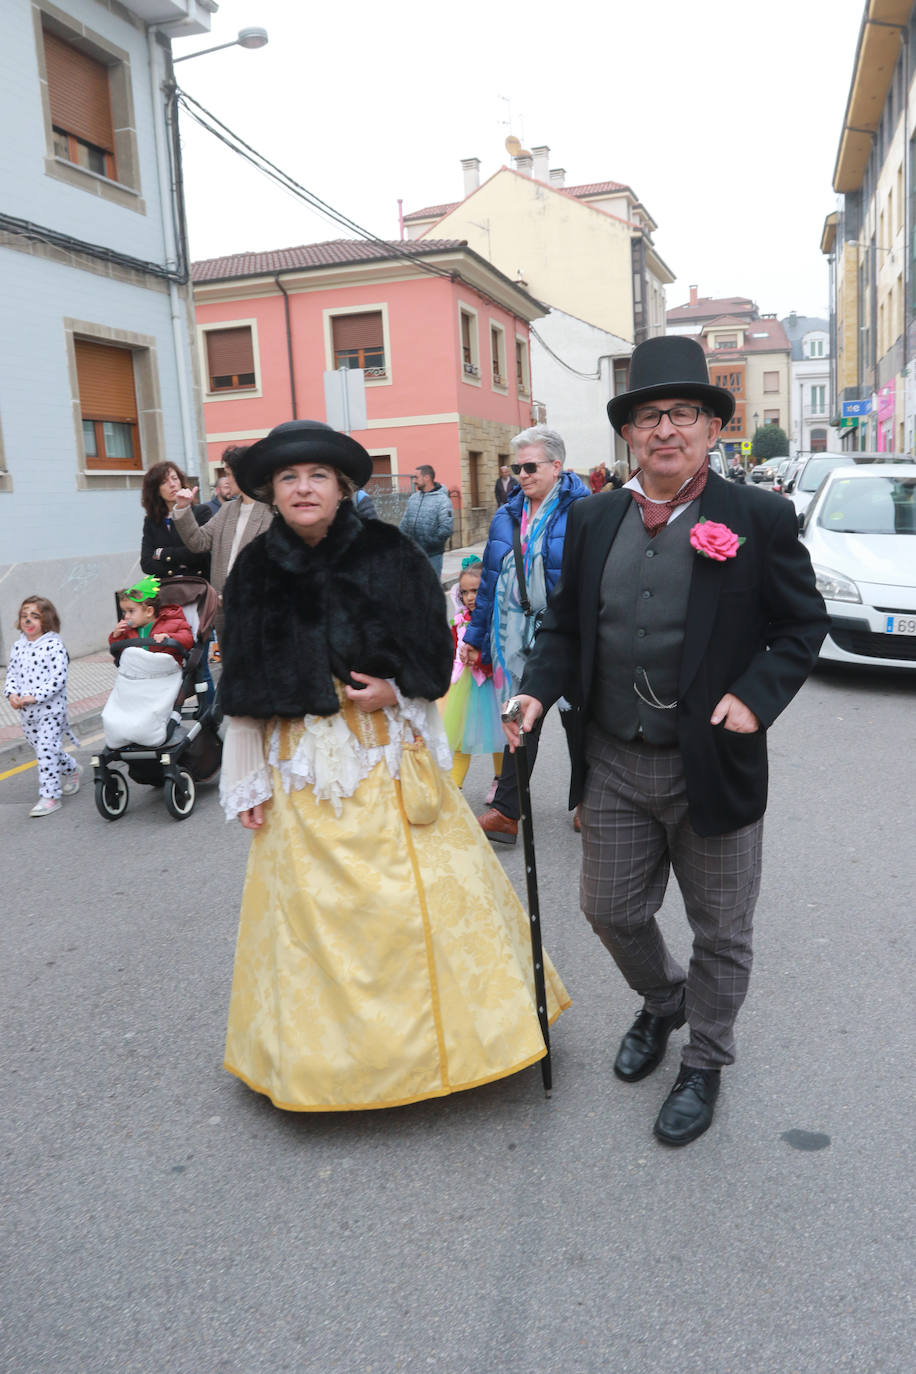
{"type": "Point", "coordinates": [647, 417]}
{"type": "Point", "coordinates": [530, 468]}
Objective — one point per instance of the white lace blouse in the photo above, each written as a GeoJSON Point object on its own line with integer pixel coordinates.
{"type": "Point", "coordinates": [329, 757]}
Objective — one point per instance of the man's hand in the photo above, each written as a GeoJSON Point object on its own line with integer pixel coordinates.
{"type": "Point", "coordinates": [376, 693]}
{"type": "Point", "coordinates": [732, 714]}
{"type": "Point", "coordinates": [532, 710]}
{"type": "Point", "coordinates": [468, 654]}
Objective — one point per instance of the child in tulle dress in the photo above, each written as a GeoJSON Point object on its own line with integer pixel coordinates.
{"type": "Point", "coordinates": [471, 711]}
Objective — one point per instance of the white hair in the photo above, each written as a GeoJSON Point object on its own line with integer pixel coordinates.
{"type": "Point", "coordinates": [551, 441]}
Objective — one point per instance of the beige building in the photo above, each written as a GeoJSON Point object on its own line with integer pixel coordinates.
{"type": "Point", "coordinates": [587, 252]}
{"type": "Point", "coordinates": [866, 239]}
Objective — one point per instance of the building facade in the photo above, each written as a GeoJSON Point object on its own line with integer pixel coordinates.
{"type": "Point", "coordinates": [869, 239]}
{"type": "Point", "coordinates": [811, 406]}
{"type": "Point", "coordinates": [748, 353]}
{"type": "Point", "coordinates": [586, 251]}
{"type": "Point", "coordinates": [97, 377]}
{"type": "Point", "coordinates": [440, 336]}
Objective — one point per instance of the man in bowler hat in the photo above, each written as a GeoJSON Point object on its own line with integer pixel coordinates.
{"type": "Point", "coordinates": [685, 620]}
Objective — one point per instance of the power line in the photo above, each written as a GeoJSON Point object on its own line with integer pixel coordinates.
{"type": "Point", "coordinates": [586, 376]}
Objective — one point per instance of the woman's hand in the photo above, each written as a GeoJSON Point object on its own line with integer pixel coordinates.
{"type": "Point", "coordinates": [253, 818]}
{"type": "Point", "coordinates": [15, 700]}
{"type": "Point", "coordinates": [376, 693]}
{"type": "Point", "coordinates": [185, 497]}
{"type": "Point", "coordinates": [28, 700]}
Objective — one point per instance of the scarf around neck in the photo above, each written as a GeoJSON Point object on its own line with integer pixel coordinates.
{"type": "Point", "coordinates": [656, 514]}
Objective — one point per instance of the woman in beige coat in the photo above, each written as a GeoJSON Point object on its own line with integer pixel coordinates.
{"type": "Point", "coordinates": [238, 522]}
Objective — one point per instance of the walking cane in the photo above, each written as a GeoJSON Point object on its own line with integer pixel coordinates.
{"type": "Point", "coordinates": [512, 711]}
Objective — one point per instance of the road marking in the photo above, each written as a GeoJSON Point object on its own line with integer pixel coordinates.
{"type": "Point", "coordinates": [24, 767]}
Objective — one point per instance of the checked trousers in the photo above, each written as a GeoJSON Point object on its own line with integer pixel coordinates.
{"type": "Point", "coordinates": [634, 831]}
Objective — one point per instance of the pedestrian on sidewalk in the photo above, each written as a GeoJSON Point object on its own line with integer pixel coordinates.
{"type": "Point", "coordinates": [36, 687]}
{"type": "Point", "coordinates": [230, 530]}
{"type": "Point", "coordinates": [686, 619]}
{"type": "Point", "coordinates": [429, 518]}
{"type": "Point", "coordinates": [526, 533]}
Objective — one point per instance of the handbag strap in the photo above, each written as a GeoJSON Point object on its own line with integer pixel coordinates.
{"type": "Point", "coordinates": [520, 569]}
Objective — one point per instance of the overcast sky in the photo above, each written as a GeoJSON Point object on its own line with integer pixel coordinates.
{"type": "Point", "coordinates": [724, 118]}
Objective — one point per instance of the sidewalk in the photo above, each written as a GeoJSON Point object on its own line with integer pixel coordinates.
{"type": "Point", "coordinates": [91, 678]}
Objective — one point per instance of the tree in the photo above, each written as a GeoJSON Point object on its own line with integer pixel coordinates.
{"type": "Point", "coordinates": [770, 442]}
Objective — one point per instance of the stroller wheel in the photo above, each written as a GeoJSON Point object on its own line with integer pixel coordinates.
{"type": "Point", "coordinates": [111, 795]}
{"type": "Point", "coordinates": [180, 795]}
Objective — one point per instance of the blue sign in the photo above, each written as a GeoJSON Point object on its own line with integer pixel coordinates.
{"type": "Point", "coordinates": [851, 408]}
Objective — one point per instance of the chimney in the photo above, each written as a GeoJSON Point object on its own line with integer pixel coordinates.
{"type": "Point", "coordinates": [470, 166]}
{"type": "Point", "coordinates": [558, 176]}
{"type": "Point", "coordinates": [541, 157]}
{"type": "Point", "coordinates": [693, 295]}
{"type": "Point", "coordinates": [523, 164]}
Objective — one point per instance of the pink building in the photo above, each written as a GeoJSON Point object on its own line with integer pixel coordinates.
{"type": "Point", "coordinates": [441, 335]}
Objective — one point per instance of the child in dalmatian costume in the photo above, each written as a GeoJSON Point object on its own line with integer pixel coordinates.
{"type": "Point", "coordinates": [36, 686]}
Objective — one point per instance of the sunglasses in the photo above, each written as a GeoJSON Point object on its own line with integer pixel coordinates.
{"type": "Point", "coordinates": [530, 468]}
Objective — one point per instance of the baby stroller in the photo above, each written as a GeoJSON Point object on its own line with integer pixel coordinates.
{"type": "Point", "coordinates": [147, 726]}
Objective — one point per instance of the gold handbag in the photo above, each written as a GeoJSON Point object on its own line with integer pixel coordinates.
{"type": "Point", "coordinates": [421, 783]}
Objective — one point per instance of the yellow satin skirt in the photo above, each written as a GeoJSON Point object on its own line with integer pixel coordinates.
{"type": "Point", "coordinates": [379, 963]}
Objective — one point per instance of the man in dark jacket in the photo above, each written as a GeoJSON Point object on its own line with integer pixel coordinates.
{"type": "Point", "coordinates": [500, 632]}
{"type": "Point", "coordinates": [505, 486]}
{"type": "Point", "coordinates": [685, 621]}
{"type": "Point", "coordinates": [429, 519]}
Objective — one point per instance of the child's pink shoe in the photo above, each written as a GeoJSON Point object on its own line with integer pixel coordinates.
{"type": "Point", "coordinates": [45, 806]}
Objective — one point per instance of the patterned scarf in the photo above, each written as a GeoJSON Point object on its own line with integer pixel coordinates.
{"type": "Point", "coordinates": [656, 514]}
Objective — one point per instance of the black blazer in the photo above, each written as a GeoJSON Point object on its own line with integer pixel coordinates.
{"type": "Point", "coordinates": [754, 626]}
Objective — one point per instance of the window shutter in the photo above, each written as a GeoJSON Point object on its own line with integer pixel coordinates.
{"type": "Point", "coordinates": [106, 382]}
{"type": "Point", "coordinates": [358, 331]}
{"type": "Point", "coordinates": [230, 352]}
{"type": "Point", "coordinates": [79, 93]}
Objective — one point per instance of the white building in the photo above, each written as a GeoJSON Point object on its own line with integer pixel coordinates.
{"type": "Point", "coordinates": [811, 405]}
{"type": "Point", "coordinates": [577, 368]}
{"type": "Point", "coordinates": [97, 374]}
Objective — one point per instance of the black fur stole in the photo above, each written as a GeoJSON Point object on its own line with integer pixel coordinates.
{"type": "Point", "coordinates": [364, 598]}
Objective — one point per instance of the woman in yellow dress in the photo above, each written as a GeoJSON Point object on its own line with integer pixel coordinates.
{"type": "Point", "coordinates": [379, 961]}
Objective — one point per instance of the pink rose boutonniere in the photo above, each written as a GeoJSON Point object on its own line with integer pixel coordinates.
{"type": "Point", "coordinates": [713, 540]}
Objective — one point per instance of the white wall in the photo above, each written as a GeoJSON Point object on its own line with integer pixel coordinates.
{"type": "Point", "coordinates": [576, 405]}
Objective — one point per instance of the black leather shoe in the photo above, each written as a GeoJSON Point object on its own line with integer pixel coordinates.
{"type": "Point", "coordinates": [689, 1107]}
{"type": "Point", "coordinates": [643, 1047]}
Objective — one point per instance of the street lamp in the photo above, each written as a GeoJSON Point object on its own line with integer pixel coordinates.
{"type": "Point", "coordinates": [247, 38]}
{"type": "Point", "coordinates": [756, 418]}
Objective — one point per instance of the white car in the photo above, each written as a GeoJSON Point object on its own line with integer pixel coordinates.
{"type": "Point", "coordinates": [860, 530]}
{"type": "Point", "coordinates": [806, 479]}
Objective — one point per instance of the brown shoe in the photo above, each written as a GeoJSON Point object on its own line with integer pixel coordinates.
{"type": "Point", "coordinates": [498, 827]}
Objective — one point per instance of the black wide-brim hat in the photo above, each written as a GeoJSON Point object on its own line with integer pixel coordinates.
{"type": "Point", "coordinates": [672, 365]}
{"type": "Point", "coordinates": [301, 441]}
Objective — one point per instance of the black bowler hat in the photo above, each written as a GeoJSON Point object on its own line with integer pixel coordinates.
{"type": "Point", "coordinates": [301, 441]}
{"type": "Point", "coordinates": [672, 365]}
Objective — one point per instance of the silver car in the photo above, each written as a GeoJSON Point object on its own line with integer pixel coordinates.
{"type": "Point", "coordinates": [860, 530]}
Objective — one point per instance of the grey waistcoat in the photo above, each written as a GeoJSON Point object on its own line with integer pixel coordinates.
{"type": "Point", "coordinates": [643, 607]}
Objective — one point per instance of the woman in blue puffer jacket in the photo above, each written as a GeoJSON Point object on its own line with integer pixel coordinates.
{"type": "Point", "coordinates": [499, 632]}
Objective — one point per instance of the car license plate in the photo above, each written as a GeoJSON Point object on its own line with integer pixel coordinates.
{"type": "Point", "coordinates": [900, 624]}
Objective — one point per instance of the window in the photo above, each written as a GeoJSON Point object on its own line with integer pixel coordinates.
{"type": "Point", "coordinates": [771, 417]}
{"type": "Point", "coordinates": [381, 464]}
{"type": "Point", "coordinates": [726, 341]}
{"type": "Point", "coordinates": [230, 359]}
{"type": "Point", "coordinates": [108, 406]}
{"type": "Point", "coordinates": [771, 381]}
{"type": "Point", "coordinates": [470, 359]}
{"type": "Point", "coordinates": [80, 100]}
{"type": "Point", "coordinates": [359, 341]}
{"type": "Point", "coordinates": [818, 399]}
{"type": "Point", "coordinates": [522, 374]}
{"type": "Point", "coordinates": [498, 354]}
{"type": "Point", "coordinates": [814, 348]}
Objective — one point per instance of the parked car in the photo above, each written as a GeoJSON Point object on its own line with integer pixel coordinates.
{"type": "Point", "coordinates": [763, 472]}
{"type": "Point", "coordinates": [860, 530]}
{"type": "Point", "coordinates": [786, 469]}
{"type": "Point", "coordinates": [801, 485]}
{"type": "Point", "coordinates": [717, 461]}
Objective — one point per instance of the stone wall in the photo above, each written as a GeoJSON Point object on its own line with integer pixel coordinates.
{"type": "Point", "coordinates": [491, 440]}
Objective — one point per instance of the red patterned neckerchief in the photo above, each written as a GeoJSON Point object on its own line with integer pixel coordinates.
{"type": "Point", "coordinates": [656, 514]}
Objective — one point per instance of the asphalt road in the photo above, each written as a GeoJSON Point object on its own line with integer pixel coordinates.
{"type": "Point", "coordinates": [158, 1216]}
